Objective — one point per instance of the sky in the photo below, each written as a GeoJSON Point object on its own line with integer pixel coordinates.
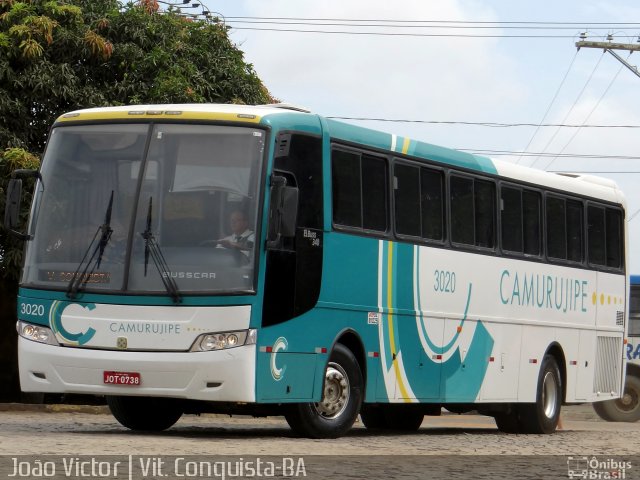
{"type": "Point", "coordinates": [461, 78]}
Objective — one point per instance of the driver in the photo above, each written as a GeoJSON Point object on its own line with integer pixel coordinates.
{"type": "Point", "coordinates": [241, 238]}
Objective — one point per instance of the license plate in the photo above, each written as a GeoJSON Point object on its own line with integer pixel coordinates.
{"type": "Point", "coordinates": [122, 378]}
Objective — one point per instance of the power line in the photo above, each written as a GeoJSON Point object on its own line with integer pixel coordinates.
{"type": "Point", "coordinates": [572, 106]}
{"type": "Point", "coordinates": [480, 124]}
{"type": "Point", "coordinates": [590, 113]}
{"type": "Point", "coordinates": [468, 22]}
{"type": "Point", "coordinates": [590, 156]}
{"type": "Point", "coordinates": [415, 24]}
{"type": "Point", "coordinates": [544, 117]}
{"type": "Point", "coordinates": [396, 34]}
{"type": "Point", "coordinates": [423, 24]}
{"type": "Point", "coordinates": [599, 172]}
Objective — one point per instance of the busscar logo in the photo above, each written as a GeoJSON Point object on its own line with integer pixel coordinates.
{"type": "Point", "coordinates": [597, 468]}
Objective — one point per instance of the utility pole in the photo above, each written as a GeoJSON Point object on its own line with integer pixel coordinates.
{"type": "Point", "coordinates": [610, 47]}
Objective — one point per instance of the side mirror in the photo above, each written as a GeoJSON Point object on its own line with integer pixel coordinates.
{"type": "Point", "coordinates": [14, 196]}
{"type": "Point", "coordinates": [12, 207]}
{"type": "Point", "coordinates": [289, 211]}
{"type": "Point", "coordinates": [283, 211]}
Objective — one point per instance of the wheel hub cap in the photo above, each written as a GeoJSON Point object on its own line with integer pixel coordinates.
{"type": "Point", "coordinates": [549, 395]}
{"type": "Point", "coordinates": [629, 401]}
{"type": "Point", "coordinates": [335, 396]}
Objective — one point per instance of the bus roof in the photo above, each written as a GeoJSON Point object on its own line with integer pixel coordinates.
{"type": "Point", "coordinates": [586, 185]}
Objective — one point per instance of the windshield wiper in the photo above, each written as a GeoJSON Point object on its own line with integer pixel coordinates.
{"type": "Point", "coordinates": [151, 248]}
{"type": "Point", "coordinates": [79, 280]}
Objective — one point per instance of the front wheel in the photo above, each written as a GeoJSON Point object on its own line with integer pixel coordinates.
{"type": "Point", "coordinates": [151, 414]}
{"type": "Point", "coordinates": [342, 396]}
{"type": "Point", "coordinates": [543, 416]}
{"type": "Point", "coordinates": [624, 409]}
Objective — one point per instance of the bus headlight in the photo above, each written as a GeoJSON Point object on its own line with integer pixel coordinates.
{"type": "Point", "coordinates": [36, 333]}
{"type": "Point", "coordinates": [223, 340]}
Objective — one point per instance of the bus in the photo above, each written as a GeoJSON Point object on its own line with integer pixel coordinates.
{"type": "Point", "coordinates": [627, 407]}
{"type": "Point", "coordinates": [386, 277]}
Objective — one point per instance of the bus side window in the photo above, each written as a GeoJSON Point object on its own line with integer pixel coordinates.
{"type": "Point", "coordinates": [347, 189]}
{"type": "Point", "coordinates": [532, 220]}
{"type": "Point", "coordinates": [432, 204]}
{"type": "Point", "coordinates": [485, 212]}
{"type": "Point", "coordinates": [473, 206]}
{"type": "Point", "coordinates": [520, 221]}
{"type": "Point", "coordinates": [407, 195]}
{"type": "Point", "coordinates": [614, 238]}
{"type": "Point", "coordinates": [422, 187]}
{"type": "Point", "coordinates": [511, 216]}
{"type": "Point", "coordinates": [556, 228]}
{"type": "Point", "coordinates": [461, 198]}
{"type": "Point", "coordinates": [360, 190]}
{"type": "Point", "coordinates": [604, 234]}
{"type": "Point", "coordinates": [575, 231]}
{"type": "Point", "coordinates": [596, 235]}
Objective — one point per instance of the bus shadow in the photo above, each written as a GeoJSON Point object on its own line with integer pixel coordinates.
{"type": "Point", "coordinates": [274, 432]}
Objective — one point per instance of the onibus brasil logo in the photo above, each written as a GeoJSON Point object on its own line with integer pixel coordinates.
{"type": "Point", "coordinates": [55, 320]}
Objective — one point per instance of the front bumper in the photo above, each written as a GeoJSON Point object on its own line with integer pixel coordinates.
{"type": "Point", "coordinates": [224, 375]}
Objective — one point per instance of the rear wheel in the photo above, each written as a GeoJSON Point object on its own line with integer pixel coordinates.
{"type": "Point", "coordinates": [543, 416]}
{"type": "Point", "coordinates": [152, 414]}
{"type": "Point", "coordinates": [508, 422]}
{"type": "Point", "coordinates": [342, 396]}
{"type": "Point", "coordinates": [624, 409]}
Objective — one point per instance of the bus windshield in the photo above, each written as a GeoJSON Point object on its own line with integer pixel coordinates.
{"type": "Point", "coordinates": [131, 207]}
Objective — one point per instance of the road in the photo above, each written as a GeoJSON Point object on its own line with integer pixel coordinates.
{"type": "Point", "coordinates": [450, 440]}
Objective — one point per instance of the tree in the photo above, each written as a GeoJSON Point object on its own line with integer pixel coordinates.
{"type": "Point", "coordinates": [62, 55]}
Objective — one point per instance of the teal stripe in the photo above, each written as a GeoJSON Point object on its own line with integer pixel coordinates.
{"type": "Point", "coordinates": [140, 299]}
{"type": "Point", "coordinates": [427, 151]}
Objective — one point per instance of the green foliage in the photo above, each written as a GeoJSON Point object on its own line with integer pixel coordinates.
{"type": "Point", "coordinates": [62, 55]}
{"type": "Point", "coordinates": [10, 247]}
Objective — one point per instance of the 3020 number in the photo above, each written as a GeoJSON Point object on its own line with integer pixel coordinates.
{"type": "Point", "coordinates": [444, 281]}
{"type": "Point", "coordinates": [32, 309]}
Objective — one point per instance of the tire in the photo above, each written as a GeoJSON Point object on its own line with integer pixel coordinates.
{"type": "Point", "coordinates": [543, 416]}
{"type": "Point", "coordinates": [341, 399]}
{"type": "Point", "coordinates": [625, 409]}
{"type": "Point", "coordinates": [602, 409]}
{"type": "Point", "coordinates": [508, 422]}
{"type": "Point", "coordinates": [404, 418]}
{"type": "Point", "coordinates": [150, 414]}
{"type": "Point", "coordinates": [373, 418]}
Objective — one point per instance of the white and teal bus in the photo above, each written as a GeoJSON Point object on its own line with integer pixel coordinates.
{"type": "Point", "coordinates": [386, 277]}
